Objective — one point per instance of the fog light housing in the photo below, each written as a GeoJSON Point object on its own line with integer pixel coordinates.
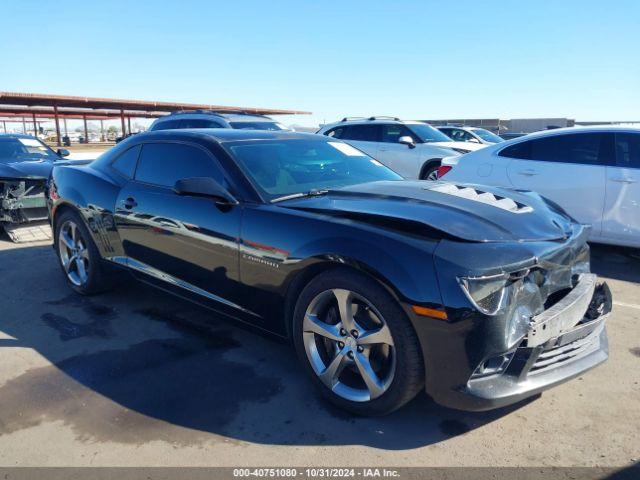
{"type": "Point", "coordinates": [493, 366]}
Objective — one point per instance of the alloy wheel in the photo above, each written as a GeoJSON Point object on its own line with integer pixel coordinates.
{"type": "Point", "coordinates": [433, 176]}
{"type": "Point", "coordinates": [349, 345]}
{"type": "Point", "coordinates": [74, 255]}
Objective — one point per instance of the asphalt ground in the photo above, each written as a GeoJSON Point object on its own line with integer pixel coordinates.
{"type": "Point", "coordinates": [134, 377]}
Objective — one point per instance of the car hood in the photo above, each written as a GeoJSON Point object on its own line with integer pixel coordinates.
{"type": "Point", "coordinates": [465, 212]}
{"type": "Point", "coordinates": [470, 146]}
{"type": "Point", "coordinates": [32, 169]}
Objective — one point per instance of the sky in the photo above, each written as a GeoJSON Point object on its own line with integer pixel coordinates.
{"type": "Point", "coordinates": [412, 59]}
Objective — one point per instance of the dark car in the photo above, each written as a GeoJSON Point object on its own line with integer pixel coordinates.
{"type": "Point", "coordinates": [208, 119]}
{"type": "Point", "coordinates": [385, 286]}
{"type": "Point", "coordinates": [25, 166]}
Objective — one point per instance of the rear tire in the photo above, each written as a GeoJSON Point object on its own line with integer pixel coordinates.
{"type": "Point", "coordinates": [78, 255]}
{"type": "Point", "coordinates": [430, 172]}
{"type": "Point", "coordinates": [353, 369]}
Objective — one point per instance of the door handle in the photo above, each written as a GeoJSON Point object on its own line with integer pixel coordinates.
{"type": "Point", "coordinates": [129, 203]}
{"type": "Point", "coordinates": [624, 180]}
{"type": "Point", "coordinates": [528, 173]}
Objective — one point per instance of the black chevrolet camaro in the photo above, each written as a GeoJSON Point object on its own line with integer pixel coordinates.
{"type": "Point", "coordinates": [482, 296]}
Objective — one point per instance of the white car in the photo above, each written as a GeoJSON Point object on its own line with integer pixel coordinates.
{"type": "Point", "coordinates": [412, 149]}
{"type": "Point", "coordinates": [591, 172]}
{"type": "Point", "coordinates": [470, 134]}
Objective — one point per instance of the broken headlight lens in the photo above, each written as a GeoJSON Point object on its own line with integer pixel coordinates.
{"type": "Point", "coordinates": [486, 293]}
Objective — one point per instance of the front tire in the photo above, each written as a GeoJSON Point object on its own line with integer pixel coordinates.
{"type": "Point", "coordinates": [357, 344]}
{"type": "Point", "coordinates": [78, 255]}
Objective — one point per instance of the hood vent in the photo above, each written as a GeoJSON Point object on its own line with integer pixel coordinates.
{"type": "Point", "coordinates": [476, 195]}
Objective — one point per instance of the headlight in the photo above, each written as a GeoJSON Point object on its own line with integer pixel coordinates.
{"type": "Point", "coordinates": [489, 294]}
{"type": "Point", "coordinates": [485, 293]}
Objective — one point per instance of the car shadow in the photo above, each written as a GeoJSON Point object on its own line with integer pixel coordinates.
{"type": "Point", "coordinates": [135, 365]}
{"type": "Point", "coordinates": [619, 263]}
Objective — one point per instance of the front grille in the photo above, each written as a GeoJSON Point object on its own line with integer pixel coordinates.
{"type": "Point", "coordinates": [554, 357]}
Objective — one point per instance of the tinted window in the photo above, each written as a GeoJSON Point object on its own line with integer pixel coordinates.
{"type": "Point", "coordinates": [126, 163]}
{"type": "Point", "coordinates": [520, 150]}
{"type": "Point", "coordinates": [14, 149]}
{"type": "Point", "coordinates": [335, 132]}
{"type": "Point", "coordinates": [198, 123]}
{"type": "Point", "coordinates": [583, 148]}
{"type": "Point", "coordinates": [487, 136]}
{"type": "Point", "coordinates": [628, 150]}
{"type": "Point", "coordinates": [427, 133]}
{"type": "Point", "coordinates": [391, 133]}
{"type": "Point", "coordinates": [580, 148]}
{"type": "Point", "coordinates": [165, 163]}
{"type": "Point", "coordinates": [363, 133]}
{"type": "Point", "coordinates": [460, 135]}
{"type": "Point", "coordinates": [166, 125]}
{"type": "Point", "coordinates": [273, 126]}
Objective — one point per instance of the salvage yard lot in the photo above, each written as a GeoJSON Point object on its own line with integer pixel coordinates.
{"type": "Point", "coordinates": [134, 377]}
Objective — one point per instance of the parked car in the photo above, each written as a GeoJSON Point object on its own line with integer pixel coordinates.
{"type": "Point", "coordinates": [25, 165]}
{"type": "Point", "coordinates": [591, 172]}
{"type": "Point", "coordinates": [470, 134]}
{"type": "Point", "coordinates": [412, 149]}
{"type": "Point", "coordinates": [208, 119]}
{"type": "Point", "coordinates": [383, 285]}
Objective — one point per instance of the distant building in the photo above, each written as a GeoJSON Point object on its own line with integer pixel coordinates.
{"type": "Point", "coordinates": [526, 125]}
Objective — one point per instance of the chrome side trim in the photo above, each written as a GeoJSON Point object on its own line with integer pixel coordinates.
{"type": "Point", "coordinates": [160, 275]}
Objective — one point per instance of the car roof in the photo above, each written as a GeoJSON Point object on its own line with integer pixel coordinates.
{"type": "Point", "coordinates": [232, 117]}
{"type": "Point", "coordinates": [15, 135]}
{"type": "Point", "coordinates": [461, 127]}
{"type": "Point", "coordinates": [582, 129]}
{"type": "Point", "coordinates": [371, 120]}
{"type": "Point", "coordinates": [222, 135]}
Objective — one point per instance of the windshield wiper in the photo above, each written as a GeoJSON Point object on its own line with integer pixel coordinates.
{"type": "Point", "coordinates": [310, 193]}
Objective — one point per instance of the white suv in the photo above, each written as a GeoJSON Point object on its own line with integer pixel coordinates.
{"type": "Point", "coordinates": [411, 149]}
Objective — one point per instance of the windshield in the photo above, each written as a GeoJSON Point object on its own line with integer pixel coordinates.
{"type": "Point", "coordinates": [284, 167]}
{"type": "Point", "coordinates": [18, 149]}
{"type": "Point", "coordinates": [258, 126]}
{"type": "Point", "coordinates": [487, 136]}
{"type": "Point", "coordinates": [427, 133]}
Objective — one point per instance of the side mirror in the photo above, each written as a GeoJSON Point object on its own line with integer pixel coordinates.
{"type": "Point", "coordinates": [63, 152]}
{"type": "Point", "coordinates": [408, 141]}
{"type": "Point", "coordinates": [204, 187]}
{"type": "Point", "coordinates": [473, 140]}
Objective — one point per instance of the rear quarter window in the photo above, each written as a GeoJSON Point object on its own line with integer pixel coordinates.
{"type": "Point", "coordinates": [126, 163]}
{"type": "Point", "coordinates": [520, 150]}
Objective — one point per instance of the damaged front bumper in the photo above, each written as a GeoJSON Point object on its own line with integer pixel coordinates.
{"type": "Point", "coordinates": [564, 341]}
{"type": "Point", "coordinates": [22, 201]}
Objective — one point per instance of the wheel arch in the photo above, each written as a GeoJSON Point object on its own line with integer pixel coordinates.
{"type": "Point", "coordinates": [320, 265]}
{"type": "Point", "coordinates": [428, 164]}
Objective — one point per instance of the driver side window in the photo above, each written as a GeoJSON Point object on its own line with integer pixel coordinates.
{"type": "Point", "coordinates": [391, 133]}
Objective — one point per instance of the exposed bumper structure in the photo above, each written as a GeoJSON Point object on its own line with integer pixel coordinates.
{"type": "Point", "coordinates": [22, 201]}
{"type": "Point", "coordinates": [563, 342]}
